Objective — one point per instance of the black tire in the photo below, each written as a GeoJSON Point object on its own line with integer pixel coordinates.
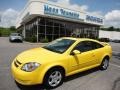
{"type": "Point", "coordinates": [105, 63]}
{"type": "Point", "coordinates": [21, 41]}
{"type": "Point", "coordinates": [48, 78]}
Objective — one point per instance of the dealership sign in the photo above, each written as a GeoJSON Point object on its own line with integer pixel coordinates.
{"type": "Point", "coordinates": [52, 10]}
{"type": "Point", "coordinates": [62, 12]}
{"type": "Point", "coordinates": [94, 19]}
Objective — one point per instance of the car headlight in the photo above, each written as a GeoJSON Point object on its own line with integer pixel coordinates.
{"type": "Point", "coordinates": [31, 66]}
{"type": "Point", "coordinates": [12, 38]}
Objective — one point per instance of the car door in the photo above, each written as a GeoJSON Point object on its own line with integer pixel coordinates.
{"type": "Point", "coordinates": [86, 58]}
{"type": "Point", "coordinates": [97, 52]}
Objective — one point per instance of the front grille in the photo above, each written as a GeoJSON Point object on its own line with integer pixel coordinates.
{"type": "Point", "coordinates": [17, 63]}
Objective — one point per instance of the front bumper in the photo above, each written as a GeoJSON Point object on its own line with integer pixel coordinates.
{"type": "Point", "coordinates": [15, 40]}
{"type": "Point", "coordinates": [26, 78]}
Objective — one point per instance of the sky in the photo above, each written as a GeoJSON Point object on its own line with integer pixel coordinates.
{"type": "Point", "coordinates": [109, 9]}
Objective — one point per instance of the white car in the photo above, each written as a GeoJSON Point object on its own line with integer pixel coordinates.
{"type": "Point", "coordinates": [15, 37]}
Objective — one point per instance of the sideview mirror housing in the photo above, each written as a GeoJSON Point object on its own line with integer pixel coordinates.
{"type": "Point", "coordinates": [75, 52]}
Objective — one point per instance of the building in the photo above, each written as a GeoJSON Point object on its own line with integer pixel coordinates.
{"type": "Point", "coordinates": [113, 35]}
{"type": "Point", "coordinates": [47, 20]}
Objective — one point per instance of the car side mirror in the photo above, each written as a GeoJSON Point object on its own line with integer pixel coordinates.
{"type": "Point", "coordinates": [75, 52]}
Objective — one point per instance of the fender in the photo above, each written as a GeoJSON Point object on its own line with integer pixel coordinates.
{"type": "Point", "coordinates": [104, 57]}
{"type": "Point", "coordinates": [48, 67]}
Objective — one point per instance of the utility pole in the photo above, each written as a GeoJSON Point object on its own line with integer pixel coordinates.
{"type": "Point", "coordinates": [0, 17]}
{"type": "Point", "coordinates": [37, 30]}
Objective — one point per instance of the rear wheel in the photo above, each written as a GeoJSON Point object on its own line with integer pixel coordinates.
{"type": "Point", "coordinates": [53, 78]}
{"type": "Point", "coordinates": [21, 41]}
{"type": "Point", "coordinates": [105, 63]}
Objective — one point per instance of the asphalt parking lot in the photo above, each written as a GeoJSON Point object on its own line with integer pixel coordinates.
{"type": "Point", "coordinates": [90, 80]}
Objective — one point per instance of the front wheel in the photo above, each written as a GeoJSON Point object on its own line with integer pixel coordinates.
{"type": "Point", "coordinates": [53, 78]}
{"type": "Point", "coordinates": [105, 63]}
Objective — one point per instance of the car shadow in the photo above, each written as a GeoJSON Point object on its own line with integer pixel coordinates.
{"type": "Point", "coordinates": [69, 78]}
{"type": "Point", "coordinates": [16, 42]}
{"type": "Point", "coordinates": [81, 74]}
{"type": "Point", "coordinates": [31, 87]}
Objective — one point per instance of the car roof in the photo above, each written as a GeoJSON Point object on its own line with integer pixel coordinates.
{"type": "Point", "coordinates": [83, 39]}
{"type": "Point", "coordinates": [14, 33]}
{"type": "Point", "coordinates": [80, 39]}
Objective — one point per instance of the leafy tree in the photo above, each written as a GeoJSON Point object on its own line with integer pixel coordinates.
{"type": "Point", "coordinates": [0, 33]}
{"type": "Point", "coordinates": [111, 28]}
{"type": "Point", "coordinates": [118, 29]}
{"type": "Point", "coordinates": [12, 28]}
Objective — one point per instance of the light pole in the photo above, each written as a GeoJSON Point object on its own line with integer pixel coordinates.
{"type": "Point", "coordinates": [0, 17]}
{"type": "Point", "coordinates": [37, 30]}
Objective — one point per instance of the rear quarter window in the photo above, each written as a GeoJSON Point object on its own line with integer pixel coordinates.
{"type": "Point", "coordinates": [97, 45]}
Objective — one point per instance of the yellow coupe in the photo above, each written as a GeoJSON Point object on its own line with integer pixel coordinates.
{"type": "Point", "coordinates": [50, 64]}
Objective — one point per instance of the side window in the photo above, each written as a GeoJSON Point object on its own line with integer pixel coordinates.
{"type": "Point", "coordinates": [84, 46]}
{"type": "Point", "coordinates": [80, 47]}
{"type": "Point", "coordinates": [97, 45]}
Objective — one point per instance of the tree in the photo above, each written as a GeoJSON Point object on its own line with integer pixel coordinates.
{"type": "Point", "coordinates": [118, 29]}
{"type": "Point", "coordinates": [0, 33]}
{"type": "Point", "coordinates": [12, 28]}
{"type": "Point", "coordinates": [111, 28]}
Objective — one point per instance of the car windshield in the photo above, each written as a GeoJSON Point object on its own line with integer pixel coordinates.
{"type": "Point", "coordinates": [59, 45]}
{"type": "Point", "coordinates": [15, 34]}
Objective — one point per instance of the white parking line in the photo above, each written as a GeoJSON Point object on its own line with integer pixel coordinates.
{"type": "Point", "coordinates": [115, 65]}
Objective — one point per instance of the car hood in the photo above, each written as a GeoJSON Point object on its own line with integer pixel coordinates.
{"type": "Point", "coordinates": [15, 36]}
{"type": "Point", "coordinates": [39, 55]}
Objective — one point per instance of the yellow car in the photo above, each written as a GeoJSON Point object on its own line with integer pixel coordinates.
{"type": "Point", "coordinates": [50, 64]}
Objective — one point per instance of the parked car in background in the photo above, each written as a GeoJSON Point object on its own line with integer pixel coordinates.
{"type": "Point", "coordinates": [15, 37]}
{"type": "Point", "coordinates": [49, 65]}
{"type": "Point", "coordinates": [116, 41]}
{"type": "Point", "coordinates": [104, 39]}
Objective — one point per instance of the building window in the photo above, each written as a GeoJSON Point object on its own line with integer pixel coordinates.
{"type": "Point", "coordinates": [49, 30]}
{"type": "Point", "coordinates": [41, 29]}
{"type": "Point", "coordinates": [56, 30]}
{"type": "Point", "coordinates": [41, 21]}
{"type": "Point", "coordinates": [52, 29]}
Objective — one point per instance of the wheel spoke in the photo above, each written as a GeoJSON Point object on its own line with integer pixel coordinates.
{"type": "Point", "coordinates": [59, 77]}
{"type": "Point", "coordinates": [51, 82]}
{"type": "Point", "coordinates": [105, 64]}
{"type": "Point", "coordinates": [56, 73]}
